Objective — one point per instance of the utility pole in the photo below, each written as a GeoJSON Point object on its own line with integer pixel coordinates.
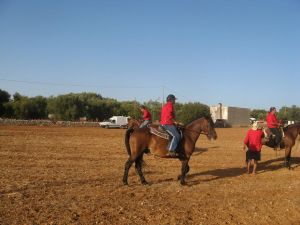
{"type": "Point", "coordinates": [163, 96]}
{"type": "Point", "coordinates": [135, 109]}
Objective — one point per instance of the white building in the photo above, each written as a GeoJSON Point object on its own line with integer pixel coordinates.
{"type": "Point", "coordinates": [234, 116]}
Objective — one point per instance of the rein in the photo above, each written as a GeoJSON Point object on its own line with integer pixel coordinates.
{"type": "Point", "coordinates": [198, 132]}
{"type": "Point", "coordinates": [207, 133]}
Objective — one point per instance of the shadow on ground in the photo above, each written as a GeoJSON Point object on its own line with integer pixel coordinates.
{"type": "Point", "coordinates": [270, 165]}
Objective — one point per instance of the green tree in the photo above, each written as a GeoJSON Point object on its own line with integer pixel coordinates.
{"type": "Point", "coordinates": [294, 113]}
{"type": "Point", "coordinates": [290, 113]}
{"type": "Point", "coordinates": [283, 113]}
{"type": "Point", "coordinates": [131, 108]}
{"type": "Point", "coordinates": [17, 96]}
{"type": "Point", "coordinates": [30, 108]}
{"type": "Point", "coordinates": [93, 106]}
{"type": "Point", "coordinates": [154, 108]}
{"type": "Point", "coordinates": [259, 114]}
{"type": "Point", "coordinates": [191, 111]}
{"type": "Point", "coordinates": [38, 108]}
{"type": "Point", "coordinates": [9, 110]}
{"type": "Point", "coordinates": [20, 106]}
{"type": "Point", "coordinates": [67, 107]}
{"type": "Point", "coordinates": [113, 108]}
{"type": "Point", "coordinates": [4, 98]}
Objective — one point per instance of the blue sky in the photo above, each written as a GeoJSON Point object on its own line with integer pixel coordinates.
{"type": "Point", "coordinates": [239, 52]}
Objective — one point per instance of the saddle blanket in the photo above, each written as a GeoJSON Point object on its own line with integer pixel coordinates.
{"type": "Point", "coordinates": [159, 133]}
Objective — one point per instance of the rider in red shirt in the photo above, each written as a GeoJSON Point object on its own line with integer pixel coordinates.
{"type": "Point", "coordinates": [167, 121]}
{"type": "Point", "coordinates": [167, 114]}
{"type": "Point", "coordinates": [254, 144]}
{"type": "Point", "coordinates": [146, 116]}
{"type": "Point", "coordinates": [273, 124]}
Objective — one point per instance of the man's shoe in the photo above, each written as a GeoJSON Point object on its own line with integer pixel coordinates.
{"type": "Point", "coordinates": [147, 150]}
{"type": "Point", "coordinates": [172, 154]}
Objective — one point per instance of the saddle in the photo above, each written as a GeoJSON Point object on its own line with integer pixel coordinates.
{"type": "Point", "coordinates": [270, 137]}
{"type": "Point", "coordinates": [268, 133]}
{"type": "Point", "coordinates": [161, 132]}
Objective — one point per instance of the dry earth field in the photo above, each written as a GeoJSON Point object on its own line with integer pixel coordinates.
{"type": "Point", "coordinates": [59, 175]}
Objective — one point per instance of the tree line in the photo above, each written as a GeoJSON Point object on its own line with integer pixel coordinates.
{"type": "Point", "coordinates": [94, 107]}
{"type": "Point", "coordinates": [284, 113]}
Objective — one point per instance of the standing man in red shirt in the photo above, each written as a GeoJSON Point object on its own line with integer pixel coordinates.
{"type": "Point", "coordinates": [253, 142]}
{"type": "Point", "coordinates": [146, 116]}
{"type": "Point", "coordinates": [167, 121]}
{"type": "Point", "coordinates": [273, 124]}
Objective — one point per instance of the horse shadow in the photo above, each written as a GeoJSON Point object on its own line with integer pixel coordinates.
{"type": "Point", "coordinates": [199, 151]}
{"type": "Point", "coordinates": [295, 162]}
{"type": "Point", "coordinates": [266, 166]}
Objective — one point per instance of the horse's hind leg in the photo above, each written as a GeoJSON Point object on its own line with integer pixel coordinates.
{"type": "Point", "coordinates": [126, 170]}
{"type": "Point", "coordinates": [138, 167]}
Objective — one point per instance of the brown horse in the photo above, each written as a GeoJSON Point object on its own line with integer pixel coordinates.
{"type": "Point", "coordinates": [290, 134]}
{"type": "Point", "coordinates": [137, 141]}
{"type": "Point", "coordinates": [133, 123]}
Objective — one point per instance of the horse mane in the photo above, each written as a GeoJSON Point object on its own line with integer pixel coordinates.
{"type": "Point", "coordinates": [293, 130]}
{"type": "Point", "coordinates": [208, 118]}
{"type": "Point", "coordinates": [292, 126]}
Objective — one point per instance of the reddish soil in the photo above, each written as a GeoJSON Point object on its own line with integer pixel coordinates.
{"type": "Point", "coordinates": [56, 175]}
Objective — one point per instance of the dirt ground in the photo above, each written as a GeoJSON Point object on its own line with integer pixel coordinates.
{"type": "Point", "coordinates": [59, 175]}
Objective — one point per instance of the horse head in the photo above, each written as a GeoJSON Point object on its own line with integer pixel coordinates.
{"type": "Point", "coordinates": [210, 129]}
{"type": "Point", "coordinates": [133, 123]}
{"type": "Point", "coordinates": [203, 125]}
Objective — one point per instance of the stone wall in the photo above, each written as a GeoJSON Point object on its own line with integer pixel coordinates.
{"type": "Point", "coordinates": [47, 123]}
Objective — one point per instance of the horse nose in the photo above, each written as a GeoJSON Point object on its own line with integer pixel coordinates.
{"type": "Point", "coordinates": [212, 137]}
{"type": "Point", "coordinates": [215, 137]}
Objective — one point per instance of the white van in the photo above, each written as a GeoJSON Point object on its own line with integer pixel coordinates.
{"type": "Point", "coordinates": [115, 122]}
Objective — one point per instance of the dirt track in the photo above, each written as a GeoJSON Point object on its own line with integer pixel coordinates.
{"type": "Point", "coordinates": [53, 175]}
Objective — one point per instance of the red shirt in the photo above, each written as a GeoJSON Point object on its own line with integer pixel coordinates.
{"type": "Point", "coordinates": [272, 121]}
{"type": "Point", "coordinates": [167, 114]}
{"type": "Point", "coordinates": [146, 114]}
{"type": "Point", "coordinates": [253, 140]}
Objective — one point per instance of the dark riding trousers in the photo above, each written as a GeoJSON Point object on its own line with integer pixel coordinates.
{"type": "Point", "coordinates": [278, 135]}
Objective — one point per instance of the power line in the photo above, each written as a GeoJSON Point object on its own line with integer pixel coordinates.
{"type": "Point", "coordinates": [94, 86]}
{"type": "Point", "coordinates": [74, 85]}
{"type": "Point", "coordinates": [176, 93]}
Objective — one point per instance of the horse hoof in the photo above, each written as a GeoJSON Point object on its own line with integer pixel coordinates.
{"type": "Point", "coordinates": [179, 177]}
{"type": "Point", "coordinates": [145, 183]}
{"type": "Point", "coordinates": [183, 183]}
{"type": "Point", "coordinates": [125, 183]}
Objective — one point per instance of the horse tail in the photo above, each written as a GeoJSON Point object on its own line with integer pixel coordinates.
{"type": "Point", "coordinates": [127, 136]}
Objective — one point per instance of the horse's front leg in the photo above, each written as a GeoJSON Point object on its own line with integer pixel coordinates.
{"type": "Point", "coordinates": [184, 170]}
{"type": "Point", "coordinates": [287, 159]}
{"type": "Point", "coordinates": [187, 170]}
